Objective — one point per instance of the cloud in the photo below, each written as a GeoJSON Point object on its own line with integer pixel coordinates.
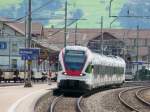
{"type": "Point", "coordinates": [136, 8]}
{"type": "Point", "coordinates": [5, 4]}
{"type": "Point", "coordinates": [77, 9]}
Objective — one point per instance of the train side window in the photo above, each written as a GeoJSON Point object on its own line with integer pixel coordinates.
{"type": "Point", "coordinates": [122, 70]}
{"type": "Point", "coordinates": [113, 70]}
{"type": "Point", "coordinates": [103, 69]}
{"type": "Point", "coordinates": [89, 69]}
{"type": "Point", "coordinates": [95, 70]}
{"type": "Point", "coordinates": [100, 69]}
{"type": "Point", "coordinates": [110, 72]}
{"type": "Point", "coordinates": [107, 70]}
{"type": "Point", "coordinates": [118, 70]}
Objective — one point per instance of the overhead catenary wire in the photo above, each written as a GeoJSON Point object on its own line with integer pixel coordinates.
{"type": "Point", "coordinates": [64, 27]}
{"type": "Point", "coordinates": [45, 4]}
{"type": "Point", "coordinates": [20, 18]}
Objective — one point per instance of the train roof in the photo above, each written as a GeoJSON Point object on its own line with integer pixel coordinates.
{"type": "Point", "coordinates": [76, 48]}
{"type": "Point", "coordinates": [99, 58]}
{"type": "Point", "coordinates": [108, 60]}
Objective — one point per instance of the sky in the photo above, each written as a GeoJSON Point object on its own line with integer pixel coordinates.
{"type": "Point", "coordinates": [88, 12]}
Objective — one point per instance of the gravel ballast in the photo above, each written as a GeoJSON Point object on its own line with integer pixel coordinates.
{"type": "Point", "coordinates": [106, 101]}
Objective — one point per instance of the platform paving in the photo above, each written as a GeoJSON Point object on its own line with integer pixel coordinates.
{"type": "Point", "coordinates": [20, 99]}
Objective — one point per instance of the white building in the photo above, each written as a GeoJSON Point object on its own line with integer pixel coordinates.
{"type": "Point", "coordinates": [12, 38]}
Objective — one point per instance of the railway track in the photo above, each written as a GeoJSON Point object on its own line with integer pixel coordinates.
{"type": "Point", "coordinates": [66, 104]}
{"type": "Point", "coordinates": [54, 102]}
{"type": "Point", "coordinates": [78, 104]}
{"type": "Point", "coordinates": [130, 98]}
{"type": "Point", "coordinates": [140, 97]}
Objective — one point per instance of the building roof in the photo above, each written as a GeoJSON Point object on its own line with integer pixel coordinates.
{"type": "Point", "coordinates": [82, 35]}
{"type": "Point", "coordinates": [55, 37]}
{"type": "Point", "coordinates": [88, 34]}
{"type": "Point", "coordinates": [20, 27]}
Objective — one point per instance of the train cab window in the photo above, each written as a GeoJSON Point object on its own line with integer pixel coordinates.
{"type": "Point", "coordinates": [74, 60]}
{"type": "Point", "coordinates": [89, 69]}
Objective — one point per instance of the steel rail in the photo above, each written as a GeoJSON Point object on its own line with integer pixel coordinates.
{"type": "Point", "coordinates": [78, 104]}
{"type": "Point", "coordinates": [54, 102]}
{"type": "Point", "coordinates": [138, 95]}
{"type": "Point", "coordinates": [124, 102]}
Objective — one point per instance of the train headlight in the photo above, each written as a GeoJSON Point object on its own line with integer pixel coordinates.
{"type": "Point", "coordinates": [64, 73]}
{"type": "Point", "coordinates": [82, 74]}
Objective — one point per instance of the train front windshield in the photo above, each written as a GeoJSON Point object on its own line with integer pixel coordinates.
{"type": "Point", "coordinates": [74, 60]}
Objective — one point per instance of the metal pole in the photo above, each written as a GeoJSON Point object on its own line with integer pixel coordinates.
{"type": "Point", "coordinates": [137, 45]}
{"type": "Point", "coordinates": [28, 82]}
{"type": "Point", "coordinates": [124, 46]}
{"type": "Point", "coordinates": [110, 7]}
{"type": "Point", "coordinates": [9, 54]}
{"type": "Point", "coordinates": [65, 30]}
{"type": "Point", "coordinates": [25, 44]}
{"type": "Point", "coordinates": [148, 57]}
{"type": "Point", "coordinates": [112, 22]}
{"type": "Point", "coordinates": [76, 34]}
{"type": "Point", "coordinates": [102, 34]}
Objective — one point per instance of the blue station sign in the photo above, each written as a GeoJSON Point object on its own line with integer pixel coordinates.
{"type": "Point", "coordinates": [29, 53]}
{"type": "Point", "coordinates": [137, 62]}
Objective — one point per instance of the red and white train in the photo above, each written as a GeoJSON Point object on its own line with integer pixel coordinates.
{"type": "Point", "coordinates": [82, 69]}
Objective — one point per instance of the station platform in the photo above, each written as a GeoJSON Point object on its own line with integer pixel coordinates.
{"type": "Point", "coordinates": [21, 99]}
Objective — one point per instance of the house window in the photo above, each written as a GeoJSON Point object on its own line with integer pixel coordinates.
{"type": "Point", "coordinates": [14, 63]}
{"type": "Point", "coordinates": [14, 47]}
